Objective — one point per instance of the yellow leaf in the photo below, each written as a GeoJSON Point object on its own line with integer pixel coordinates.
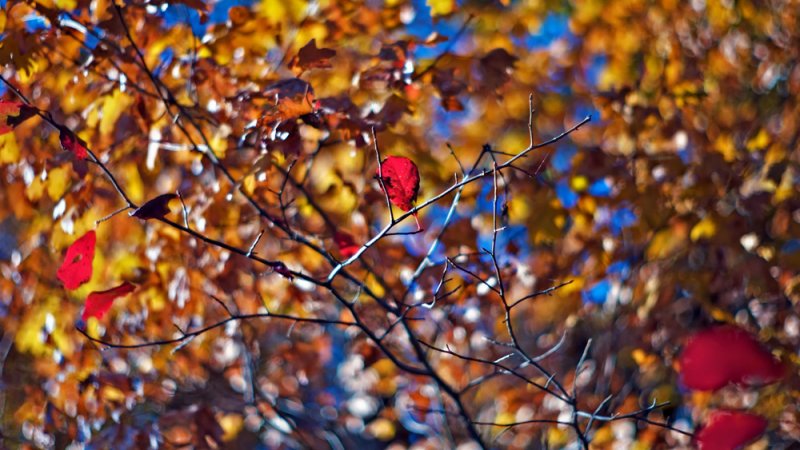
{"type": "Point", "coordinates": [581, 223]}
{"type": "Point", "coordinates": [124, 265]}
{"type": "Point", "coordinates": [219, 144]}
{"type": "Point", "coordinates": [278, 11]}
{"type": "Point", "coordinates": [518, 209]}
{"type": "Point", "coordinates": [579, 183]}
{"type": "Point", "coordinates": [113, 394]}
{"type": "Point", "coordinates": [316, 31]}
{"type": "Point", "coordinates": [373, 284]}
{"type": "Point", "coordinates": [58, 181]}
{"type": "Point", "coordinates": [66, 4]}
{"type": "Point", "coordinates": [759, 141]}
{"type": "Point", "coordinates": [724, 144]}
{"type": "Point", "coordinates": [155, 299]}
{"type": "Point", "coordinates": [231, 425]}
{"type": "Point", "coordinates": [786, 189]}
{"type": "Point", "coordinates": [706, 228]}
{"type": "Point", "coordinates": [666, 243]}
{"type": "Point", "coordinates": [9, 150]}
{"type": "Point", "coordinates": [113, 106]}
{"type": "Point", "coordinates": [603, 436]}
{"type": "Point", "coordinates": [35, 190]}
{"type": "Point", "coordinates": [514, 141]}
{"type": "Point", "coordinates": [556, 437]}
{"type": "Point", "coordinates": [133, 183]}
{"type": "Point", "coordinates": [93, 327]}
{"type": "Point", "coordinates": [385, 367]}
{"type": "Point", "coordinates": [588, 204]}
{"type": "Point", "coordinates": [576, 285]}
{"type": "Point", "coordinates": [441, 7]}
{"type": "Point", "coordinates": [31, 336]}
{"type": "Point", "coordinates": [250, 184]}
{"type": "Point", "coordinates": [382, 429]}
{"type": "Point", "coordinates": [504, 417]}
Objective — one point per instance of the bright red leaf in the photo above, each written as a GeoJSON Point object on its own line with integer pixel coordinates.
{"type": "Point", "coordinates": [13, 114]}
{"type": "Point", "coordinates": [346, 244]}
{"type": "Point", "coordinates": [730, 430]}
{"type": "Point", "coordinates": [400, 178]}
{"type": "Point", "coordinates": [155, 208]}
{"type": "Point", "coordinates": [715, 357]}
{"type": "Point", "coordinates": [72, 143]}
{"type": "Point", "coordinates": [98, 303]}
{"type": "Point", "coordinates": [77, 266]}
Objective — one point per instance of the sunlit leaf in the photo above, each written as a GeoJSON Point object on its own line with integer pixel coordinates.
{"type": "Point", "coordinates": [77, 266]}
{"type": "Point", "coordinates": [441, 7]}
{"type": "Point", "coordinates": [400, 178]}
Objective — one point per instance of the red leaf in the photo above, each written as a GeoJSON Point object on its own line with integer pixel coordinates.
{"type": "Point", "coordinates": [730, 430]}
{"type": "Point", "coordinates": [98, 303]}
{"type": "Point", "coordinates": [155, 208]}
{"type": "Point", "coordinates": [13, 114]}
{"type": "Point", "coordinates": [310, 57]}
{"type": "Point", "coordinates": [77, 266]}
{"type": "Point", "coordinates": [715, 357]}
{"type": "Point", "coordinates": [400, 177]}
{"type": "Point", "coordinates": [347, 246]}
{"type": "Point", "coordinates": [72, 143]}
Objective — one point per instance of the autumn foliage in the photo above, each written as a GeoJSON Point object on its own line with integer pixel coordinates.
{"type": "Point", "coordinates": [405, 224]}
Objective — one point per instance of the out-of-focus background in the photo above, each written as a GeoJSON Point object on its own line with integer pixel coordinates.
{"type": "Point", "coordinates": [674, 211]}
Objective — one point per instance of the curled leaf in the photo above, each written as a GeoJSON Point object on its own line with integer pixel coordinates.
{"type": "Point", "coordinates": [283, 270]}
{"type": "Point", "coordinates": [77, 266]}
{"type": "Point", "coordinates": [155, 208]}
{"type": "Point", "coordinates": [13, 114]}
{"type": "Point", "coordinates": [400, 178]}
{"type": "Point", "coordinates": [345, 243]}
{"type": "Point", "coordinates": [72, 143]}
{"type": "Point", "coordinates": [729, 430]}
{"type": "Point", "coordinates": [98, 303]}
{"type": "Point", "coordinates": [721, 355]}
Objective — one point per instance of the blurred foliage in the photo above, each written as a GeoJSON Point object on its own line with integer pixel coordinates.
{"type": "Point", "coordinates": [677, 207]}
